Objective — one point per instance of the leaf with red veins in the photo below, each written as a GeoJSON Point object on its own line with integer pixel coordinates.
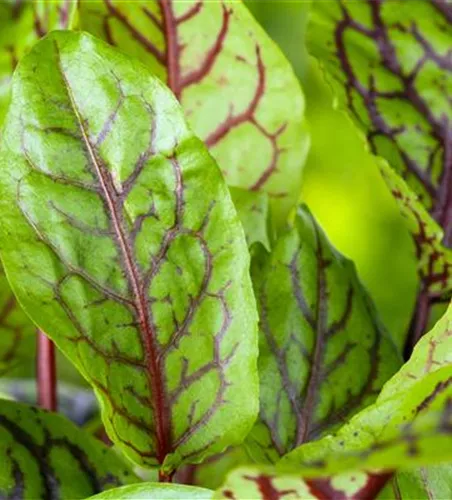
{"type": "Point", "coordinates": [44, 455]}
{"type": "Point", "coordinates": [238, 91]}
{"type": "Point", "coordinates": [390, 65]}
{"type": "Point", "coordinates": [409, 425]}
{"type": "Point", "coordinates": [21, 25]}
{"type": "Point", "coordinates": [323, 352]}
{"type": "Point", "coordinates": [122, 243]}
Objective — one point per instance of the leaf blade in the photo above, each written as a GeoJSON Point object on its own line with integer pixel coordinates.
{"type": "Point", "coordinates": [46, 456]}
{"type": "Point", "coordinates": [135, 266]}
{"type": "Point", "coordinates": [235, 69]}
{"type": "Point", "coordinates": [317, 324]}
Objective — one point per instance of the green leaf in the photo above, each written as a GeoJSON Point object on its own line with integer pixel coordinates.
{"type": "Point", "coordinates": [122, 243]}
{"type": "Point", "coordinates": [263, 483]}
{"type": "Point", "coordinates": [409, 425]}
{"type": "Point", "coordinates": [21, 25]}
{"type": "Point", "coordinates": [17, 333]}
{"type": "Point", "coordinates": [155, 491]}
{"type": "Point", "coordinates": [425, 483]}
{"type": "Point", "coordinates": [44, 456]}
{"type": "Point", "coordinates": [390, 66]}
{"type": "Point", "coordinates": [253, 211]}
{"type": "Point", "coordinates": [76, 403]}
{"type": "Point", "coordinates": [323, 353]}
{"type": "Point", "coordinates": [238, 91]}
{"type": "Point", "coordinates": [434, 259]}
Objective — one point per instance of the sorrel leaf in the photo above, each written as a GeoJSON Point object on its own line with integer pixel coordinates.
{"type": "Point", "coordinates": [238, 91]}
{"type": "Point", "coordinates": [254, 213]}
{"type": "Point", "coordinates": [259, 482]}
{"type": "Point", "coordinates": [155, 491]}
{"type": "Point", "coordinates": [122, 243]}
{"type": "Point", "coordinates": [391, 67]}
{"type": "Point", "coordinates": [17, 333]}
{"type": "Point", "coordinates": [323, 353]}
{"type": "Point", "coordinates": [435, 260]}
{"type": "Point", "coordinates": [409, 425]}
{"type": "Point", "coordinates": [21, 25]}
{"type": "Point", "coordinates": [425, 483]}
{"type": "Point", "coordinates": [76, 403]}
{"type": "Point", "coordinates": [43, 455]}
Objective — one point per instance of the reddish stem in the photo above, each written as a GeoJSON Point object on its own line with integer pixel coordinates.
{"type": "Point", "coordinates": [46, 373]}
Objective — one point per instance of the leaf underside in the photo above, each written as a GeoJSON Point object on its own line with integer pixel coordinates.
{"type": "Point", "coordinates": [323, 353]}
{"type": "Point", "coordinates": [234, 84]}
{"type": "Point", "coordinates": [390, 65]}
{"type": "Point", "coordinates": [122, 243]}
{"type": "Point", "coordinates": [45, 456]}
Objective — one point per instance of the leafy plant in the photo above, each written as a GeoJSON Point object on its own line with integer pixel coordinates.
{"type": "Point", "coordinates": [151, 162]}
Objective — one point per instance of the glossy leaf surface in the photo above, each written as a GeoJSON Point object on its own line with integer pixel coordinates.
{"type": "Point", "coordinates": [238, 91]}
{"type": "Point", "coordinates": [323, 352]}
{"type": "Point", "coordinates": [21, 25]}
{"type": "Point", "coordinates": [155, 491]}
{"type": "Point", "coordinates": [424, 483]}
{"type": "Point", "coordinates": [122, 242]}
{"type": "Point", "coordinates": [409, 425]}
{"type": "Point", "coordinates": [17, 332]}
{"type": "Point", "coordinates": [44, 456]}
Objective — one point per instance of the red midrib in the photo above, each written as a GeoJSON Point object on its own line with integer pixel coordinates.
{"type": "Point", "coordinates": [154, 378]}
{"type": "Point", "coordinates": [147, 334]}
{"type": "Point", "coordinates": [172, 47]}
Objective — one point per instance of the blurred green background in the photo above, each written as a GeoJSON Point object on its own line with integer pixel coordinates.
{"type": "Point", "coordinates": [342, 184]}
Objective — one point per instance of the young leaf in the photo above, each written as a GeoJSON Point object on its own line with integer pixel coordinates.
{"type": "Point", "coordinates": [253, 211]}
{"type": "Point", "coordinates": [17, 333]}
{"type": "Point", "coordinates": [43, 455]}
{"type": "Point", "coordinates": [21, 25]}
{"type": "Point", "coordinates": [155, 491]}
{"type": "Point", "coordinates": [425, 483]}
{"type": "Point", "coordinates": [238, 91]}
{"type": "Point", "coordinates": [409, 425]}
{"type": "Point", "coordinates": [323, 353]}
{"type": "Point", "coordinates": [122, 243]}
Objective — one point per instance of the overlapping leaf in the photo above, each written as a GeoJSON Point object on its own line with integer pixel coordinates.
{"type": "Point", "coordinates": [237, 89]}
{"type": "Point", "coordinates": [409, 425]}
{"type": "Point", "coordinates": [323, 352]}
{"type": "Point", "coordinates": [391, 67]}
{"type": "Point", "coordinates": [121, 241]}
{"type": "Point", "coordinates": [261, 483]}
{"type": "Point", "coordinates": [17, 333]}
{"type": "Point", "coordinates": [155, 491]}
{"type": "Point", "coordinates": [425, 483]}
{"type": "Point", "coordinates": [44, 456]}
{"type": "Point", "coordinates": [21, 25]}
